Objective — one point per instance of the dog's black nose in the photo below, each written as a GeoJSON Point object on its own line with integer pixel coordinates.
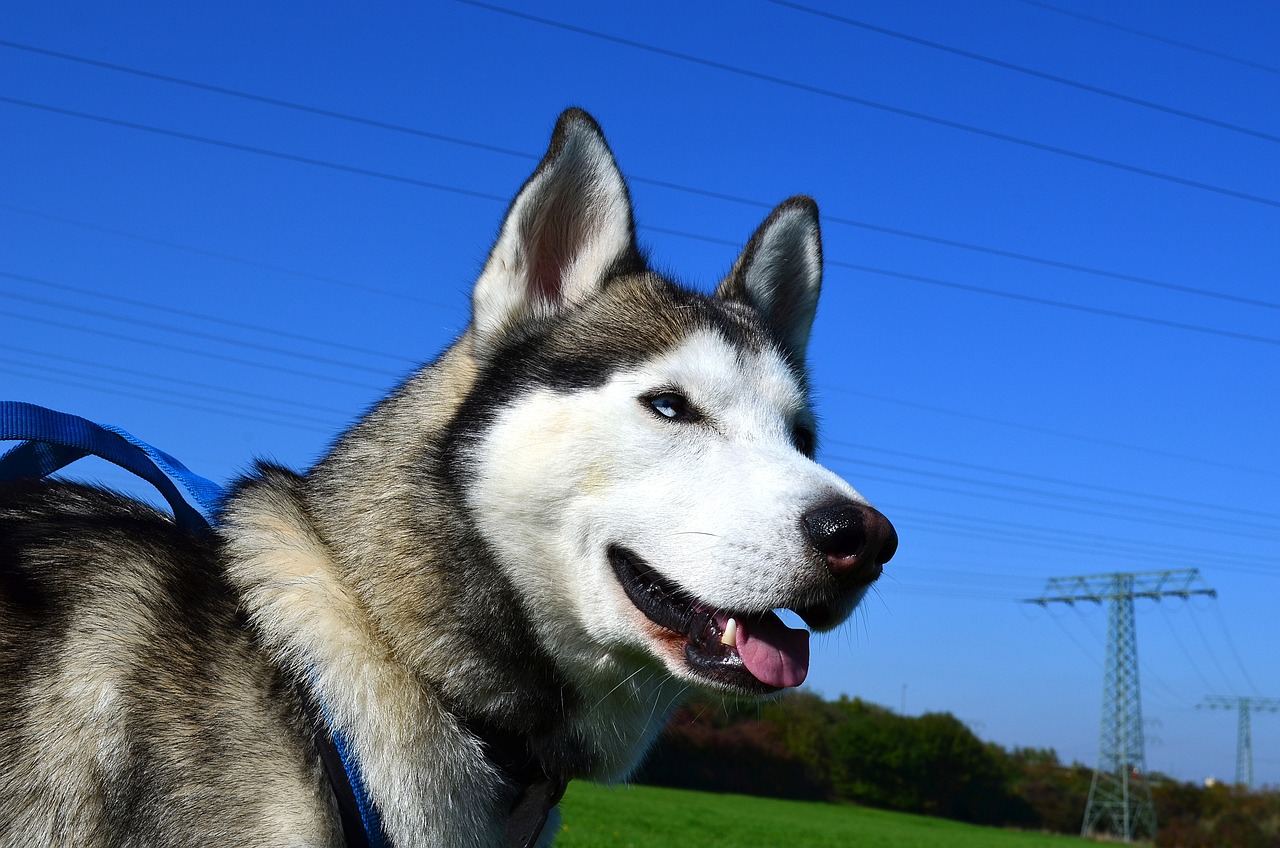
{"type": "Point", "coordinates": [856, 539]}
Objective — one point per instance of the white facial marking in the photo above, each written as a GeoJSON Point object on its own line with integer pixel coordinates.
{"type": "Point", "coordinates": [712, 504]}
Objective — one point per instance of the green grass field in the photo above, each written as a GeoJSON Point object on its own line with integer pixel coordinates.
{"type": "Point", "coordinates": [648, 817]}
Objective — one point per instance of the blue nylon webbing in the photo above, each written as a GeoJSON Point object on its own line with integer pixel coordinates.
{"type": "Point", "coordinates": [375, 836]}
{"type": "Point", "coordinates": [51, 440]}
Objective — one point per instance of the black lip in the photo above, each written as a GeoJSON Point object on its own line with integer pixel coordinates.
{"type": "Point", "coordinates": [661, 601]}
{"type": "Point", "coordinates": [674, 609]}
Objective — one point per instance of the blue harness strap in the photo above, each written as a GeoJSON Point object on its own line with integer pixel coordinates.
{"type": "Point", "coordinates": [51, 440]}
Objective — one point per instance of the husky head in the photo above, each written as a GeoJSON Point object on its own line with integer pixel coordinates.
{"type": "Point", "coordinates": [640, 456]}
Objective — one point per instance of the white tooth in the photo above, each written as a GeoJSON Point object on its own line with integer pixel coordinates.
{"type": "Point", "coordinates": [730, 636]}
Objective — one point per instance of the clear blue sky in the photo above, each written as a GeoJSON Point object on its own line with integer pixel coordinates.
{"type": "Point", "coordinates": [1017, 418]}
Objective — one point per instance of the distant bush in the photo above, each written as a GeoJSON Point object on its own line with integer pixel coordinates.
{"type": "Point", "coordinates": [735, 754]}
{"type": "Point", "coordinates": [804, 747]}
{"type": "Point", "coordinates": [932, 764]}
{"type": "Point", "coordinates": [1056, 794]}
{"type": "Point", "coordinates": [1193, 816]}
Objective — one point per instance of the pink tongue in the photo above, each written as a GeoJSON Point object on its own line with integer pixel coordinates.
{"type": "Point", "coordinates": [773, 652]}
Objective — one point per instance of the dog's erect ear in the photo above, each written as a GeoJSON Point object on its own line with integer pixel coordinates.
{"type": "Point", "coordinates": [780, 273]}
{"type": "Point", "coordinates": [567, 230]}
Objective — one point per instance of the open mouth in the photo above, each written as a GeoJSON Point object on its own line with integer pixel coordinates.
{"type": "Point", "coordinates": [752, 652]}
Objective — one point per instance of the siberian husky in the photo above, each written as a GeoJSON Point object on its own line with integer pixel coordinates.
{"type": "Point", "coordinates": [589, 505]}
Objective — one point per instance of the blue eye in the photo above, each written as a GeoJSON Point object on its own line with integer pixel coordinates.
{"type": "Point", "coordinates": [672, 406]}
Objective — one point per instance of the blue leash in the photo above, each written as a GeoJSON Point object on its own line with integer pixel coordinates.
{"type": "Point", "coordinates": [51, 440]}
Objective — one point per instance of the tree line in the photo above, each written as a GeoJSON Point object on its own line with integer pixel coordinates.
{"type": "Point", "coordinates": [805, 747]}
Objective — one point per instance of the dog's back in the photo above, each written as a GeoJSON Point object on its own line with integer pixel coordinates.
{"type": "Point", "coordinates": [134, 700]}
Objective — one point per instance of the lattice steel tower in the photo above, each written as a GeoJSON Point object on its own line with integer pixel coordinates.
{"type": "Point", "coordinates": [1119, 797]}
{"type": "Point", "coordinates": [1244, 737]}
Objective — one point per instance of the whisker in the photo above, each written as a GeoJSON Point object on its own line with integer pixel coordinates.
{"type": "Point", "coordinates": [671, 702]}
{"type": "Point", "coordinates": [619, 685]}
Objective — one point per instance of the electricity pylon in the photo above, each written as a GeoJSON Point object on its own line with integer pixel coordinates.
{"type": "Point", "coordinates": [1244, 737]}
{"type": "Point", "coordinates": [1119, 797]}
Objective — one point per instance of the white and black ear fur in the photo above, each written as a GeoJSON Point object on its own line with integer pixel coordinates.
{"type": "Point", "coordinates": [779, 273]}
{"type": "Point", "coordinates": [567, 230]}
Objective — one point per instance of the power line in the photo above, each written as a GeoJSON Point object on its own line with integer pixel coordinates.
{"type": "Point", "coordinates": [1032, 72]}
{"type": "Point", "coordinates": [1007, 295]}
{"type": "Point", "coordinates": [872, 104]}
{"type": "Point", "coordinates": [1041, 301]}
{"type": "Point", "coordinates": [270, 101]}
{"type": "Point", "coordinates": [1024, 540]}
{"type": "Point", "coordinates": [964, 574]}
{"type": "Point", "coordinates": [1047, 479]}
{"type": "Point", "coordinates": [1186, 518]}
{"type": "Point", "coordinates": [1182, 646]}
{"type": "Point", "coordinates": [1248, 63]}
{"type": "Point", "coordinates": [1213, 656]}
{"type": "Point", "coordinates": [1046, 542]}
{"type": "Point", "coordinates": [1231, 644]}
{"type": "Point", "coordinates": [190, 332]}
{"type": "Point", "coordinates": [1048, 431]}
{"type": "Point", "coordinates": [1084, 649]}
{"type": "Point", "coordinates": [202, 316]}
{"type": "Point", "coordinates": [1060, 507]}
{"type": "Point", "coordinates": [1051, 263]}
{"type": "Point", "coordinates": [324, 378]}
{"type": "Point", "coordinates": [1024, 298]}
{"type": "Point", "coordinates": [1062, 266]}
{"type": "Point", "coordinates": [184, 381]}
{"type": "Point", "coordinates": [1052, 538]}
{"type": "Point", "coordinates": [1059, 304]}
{"type": "Point", "coordinates": [949, 594]}
{"type": "Point", "coordinates": [165, 400]}
{"type": "Point", "coordinates": [227, 257]}
{"type": "Point", "coordinates": [255, 413]}
{"type": "Point", "coordinates": [1209, 649]}
{"type": "Point", "coordinates": [261, 151]}
{"type": "Point", "coordinates": [528, 156]}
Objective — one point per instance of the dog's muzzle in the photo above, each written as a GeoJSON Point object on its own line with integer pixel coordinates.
{"type": "Point", "coordinates": [753, 651]}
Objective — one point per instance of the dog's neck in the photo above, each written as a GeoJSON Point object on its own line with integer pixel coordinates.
{"type": "Point", "coordinates": [410, 708]}
{"type": "Point", "coordinates": [535, 793]}
{"type": "Point", "coordinates": [317, 628]}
